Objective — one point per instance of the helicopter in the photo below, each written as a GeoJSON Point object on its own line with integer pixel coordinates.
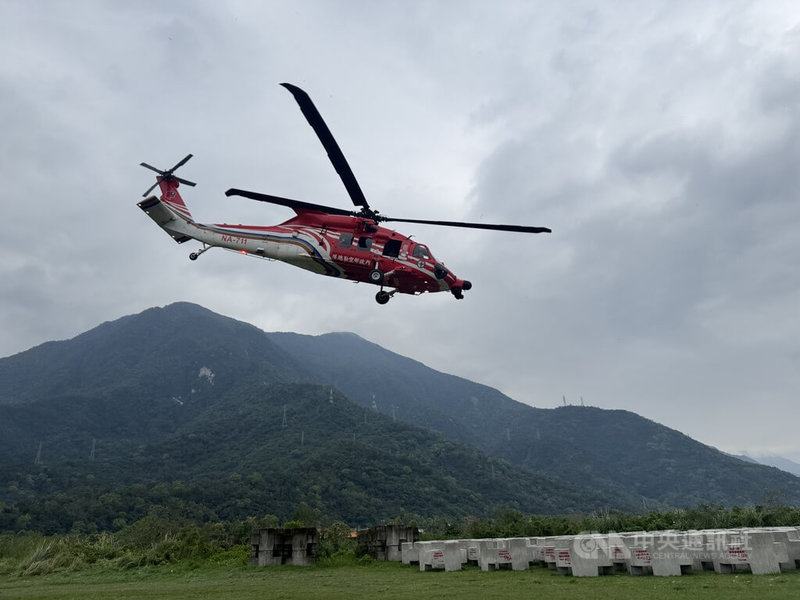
{"type": "Point", "coordinates": [348, 244]}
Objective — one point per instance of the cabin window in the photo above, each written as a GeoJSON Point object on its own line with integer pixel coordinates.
{"type": "Point", "coordinates": [345, 240]}
{"type": "Point", "coordinates": [364, 242]}
{"type": "Point", "coordinates": [421, 251]}
{"type": "Point", "coordinates": [392, 248]}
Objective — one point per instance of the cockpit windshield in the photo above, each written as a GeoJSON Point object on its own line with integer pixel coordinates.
{"type": "Point", "coordinates": [421, 251]}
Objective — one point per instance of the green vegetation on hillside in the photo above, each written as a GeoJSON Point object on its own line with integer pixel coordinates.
{"type": "Point", "coordinates": [267, 450]}
{"type": "Point", "coordinates": [210, 419]}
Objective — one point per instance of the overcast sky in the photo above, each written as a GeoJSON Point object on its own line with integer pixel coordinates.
{"type": "Point", "coordinates": [659, 140]}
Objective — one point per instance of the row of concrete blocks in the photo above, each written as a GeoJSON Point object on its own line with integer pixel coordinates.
{"type": "Point", "coordinates": [660, 553]}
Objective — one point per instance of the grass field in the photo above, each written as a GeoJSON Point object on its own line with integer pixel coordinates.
{"type": "Point", "coordinates": [198, 580]}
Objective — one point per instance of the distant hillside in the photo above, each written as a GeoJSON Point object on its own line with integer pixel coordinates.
{"type": "Point", "coordinates": [271, 449]}
{"type": "Point", "coordinates": [615, 451]}
{"type": "Point", "coordinates": [779, 462]}
{"type": "Point", "coordinates": [181, 406]}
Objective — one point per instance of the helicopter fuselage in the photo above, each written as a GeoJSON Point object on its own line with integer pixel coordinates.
{"type": "Point", "coordinates": [343, 246]}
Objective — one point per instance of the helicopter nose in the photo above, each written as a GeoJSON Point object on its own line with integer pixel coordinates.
{"type": "Point", "coordinates": [460, 286]}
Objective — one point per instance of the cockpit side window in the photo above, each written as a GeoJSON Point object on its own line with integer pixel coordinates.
{"type": "Point", "coordinates": [421, 251]}
{"type": "Point", "coordinates": [364, 242]}
{"type": "Point", "coordinates": [345, 240]}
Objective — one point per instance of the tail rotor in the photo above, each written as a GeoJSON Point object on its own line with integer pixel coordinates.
{"type": "Point", "coordinates": [168, 174]}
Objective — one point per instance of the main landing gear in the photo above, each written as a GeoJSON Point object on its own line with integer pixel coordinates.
{"type": "Point", "coordinates": [377, 277]}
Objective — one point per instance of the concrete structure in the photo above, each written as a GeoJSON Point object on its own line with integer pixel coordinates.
{"type": "Point", "coordinates": [590, 556]}
{"type": "Point", "coordinates": [640, 561]}
{"type": "Point", "coordinates": [284, 547]}
{"type": "Point", "coordinates": [670, 563]}
{"type": "Point", "coordinates": [455, 555]}
{"type": "Point", "coordinates": [385, 542]}
{"type": "Point", "coordinates": [431, 555]}
{"type": "Point", "coordinates": [520, 554]}
{"type": "Point", "coordinates": [409, 553]}
{"type": "Point", "coordinates": [659, 553]}
{"type": "Point", "coordinates": [494, 554]}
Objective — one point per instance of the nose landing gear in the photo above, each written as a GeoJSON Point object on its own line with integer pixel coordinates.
{"type": "Point", "coordinates": [196, 255]}
{"type": "Point", "coordinates": [383, 296]}
{"type": "Point", "coordinates": [458, 292]}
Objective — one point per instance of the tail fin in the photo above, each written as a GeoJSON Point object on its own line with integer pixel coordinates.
{"type": "Point", "coordinates": [169, 218]}
{"type": "Point", "coordinates": [172, 198]}
{"type": "Point", "coordinates": [170, 213]}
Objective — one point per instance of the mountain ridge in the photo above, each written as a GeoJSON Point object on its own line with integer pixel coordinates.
{"type": "Point", "coordinates": [147, 387]}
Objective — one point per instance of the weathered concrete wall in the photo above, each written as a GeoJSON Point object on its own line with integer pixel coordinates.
{"type": "Point", "coordinates": [284, 547]}
{"type": "Point", "coordinates": [385, 542]}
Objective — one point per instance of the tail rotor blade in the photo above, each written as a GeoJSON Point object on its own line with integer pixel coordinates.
{"type": "Point", "coordinates": [150, 189]}
{"type": "Point", "coordinates": [181, 163]}
{"type": "Point", "coordinates": [167, 175]}
{"type": "Point", "coordinates": [152, 168]}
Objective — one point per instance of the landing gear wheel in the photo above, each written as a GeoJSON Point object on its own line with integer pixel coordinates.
{"type": "Point", "coordinates": [193, 256]}
{"type": "Point", "coordinates": [375, 276]}
{"type": "Point", "coordinates": [382, 297]}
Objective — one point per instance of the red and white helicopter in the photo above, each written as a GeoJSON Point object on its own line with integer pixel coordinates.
{"type": "Point", "coordinates": [349, 244]}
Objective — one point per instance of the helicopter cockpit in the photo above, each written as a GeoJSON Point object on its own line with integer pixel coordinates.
{"type": "Point", "coordinates": [421, 251]}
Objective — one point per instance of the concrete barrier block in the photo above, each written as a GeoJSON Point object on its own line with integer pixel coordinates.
{"type": "Point", "coordinates": [793, 552]}
{"type": "Point", "coordinates": [452, 556]}
{"type": "Point", "coordinates": [431, 557]}
{"type": "Point", "coordinates": [672, 562]}
{"type": "Point", "coordinates": [563, 561]}
{"type": "Point", "coordinates": [494, 554]}
{"type": "Point", "coordinates": [764, 554]}
{"type": "Point", "coordinates": [590, 555]}
{"type": "Point", "coordinates": [520, 554]}
{"type": "Point", "coordinates": [640, 561]}
{"type": "Point", "coordinates": [473, 555]}
{"type": "Point", "coordinates": [409, 553]}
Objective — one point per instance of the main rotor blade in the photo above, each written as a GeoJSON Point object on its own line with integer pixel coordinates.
{"type": "Point", "coordinates": [293, 204]}
{"type": "Point", "coordinates": [329, 143]}
{"type": "Point", "coordinates": [152, 168]}
{"type": "Point", "coordinates": [515, 228]}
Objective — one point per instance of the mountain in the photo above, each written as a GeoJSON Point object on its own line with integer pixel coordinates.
{"type": "Point", "coordinates": [269, 449]}
{"type": "Point", "coordinates": [617, 452]}
{"type": "Point", "coordinates": [779, 462]}
{"type": "Point", "coordinates": [132, 380]}
{"type": "Point", "coordinates": [181, 405]}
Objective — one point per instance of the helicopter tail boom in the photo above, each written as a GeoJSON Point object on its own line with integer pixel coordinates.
{"type": "Point", "coordinates": [166, 218]}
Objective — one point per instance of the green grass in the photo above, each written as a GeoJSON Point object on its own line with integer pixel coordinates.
{"type": "Point", "coordinates": [231, 579]}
